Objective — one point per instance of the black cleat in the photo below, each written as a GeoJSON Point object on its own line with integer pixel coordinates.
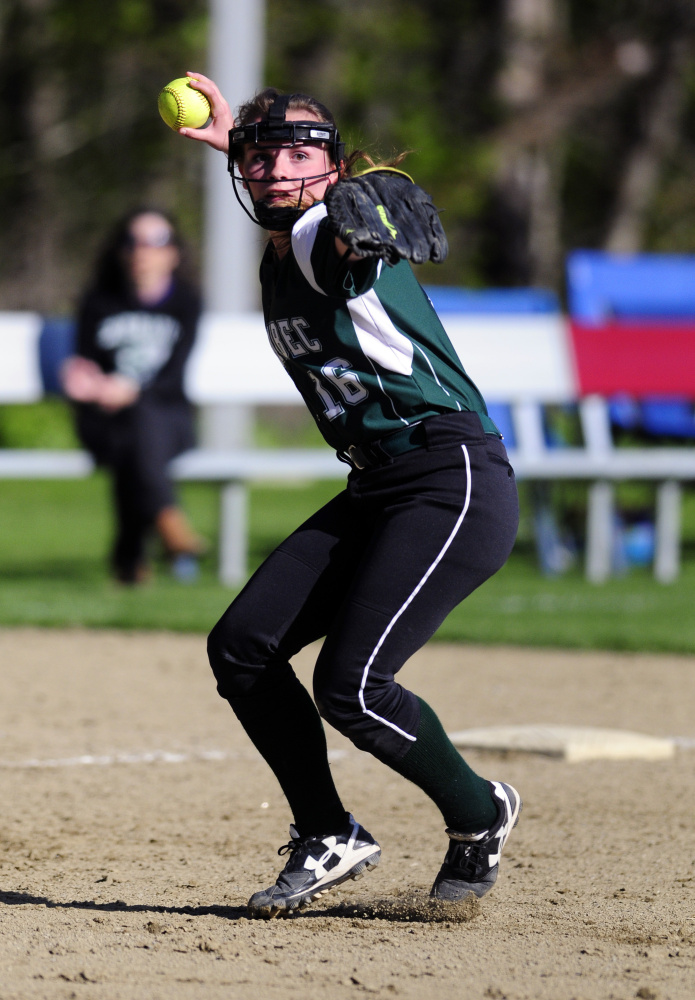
{"type": "Point", "coordinates": [316, 864]}
{"type": "Point", "coordinates": [472, 861]}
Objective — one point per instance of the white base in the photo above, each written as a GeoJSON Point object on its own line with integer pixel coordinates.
{"type": "Point", "coordinates": [571, 743]}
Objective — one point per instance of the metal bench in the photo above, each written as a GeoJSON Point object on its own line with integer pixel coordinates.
{"type": "Point", "coordinates": [521, 361]}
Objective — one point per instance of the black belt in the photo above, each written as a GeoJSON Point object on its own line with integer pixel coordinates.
{"type": "Point", "coordinates": [380, 452]}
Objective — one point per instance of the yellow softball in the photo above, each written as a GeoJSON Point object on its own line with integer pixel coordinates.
{"type": "Point", "coordinates": [181, 106]}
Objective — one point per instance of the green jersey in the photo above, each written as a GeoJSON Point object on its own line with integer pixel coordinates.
{"type": "Point", "coordinates": [360, 340]}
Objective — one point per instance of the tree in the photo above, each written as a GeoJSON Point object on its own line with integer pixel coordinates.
{"type": "Point", "coordinates": [82, 140]}
{"type": "Point", "coordinates": [537, 125]}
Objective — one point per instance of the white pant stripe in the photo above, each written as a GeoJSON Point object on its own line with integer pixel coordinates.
{"type": "Point", "coordinates": [413, 595]}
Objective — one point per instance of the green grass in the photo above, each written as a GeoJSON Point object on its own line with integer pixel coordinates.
{"type": "Point", "coordinates": [54, 537]}
{"type": "Point", "coordinates": [634, 613]}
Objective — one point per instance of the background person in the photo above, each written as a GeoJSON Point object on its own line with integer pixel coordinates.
{"type": "Point", "coordinates": [136, 327]}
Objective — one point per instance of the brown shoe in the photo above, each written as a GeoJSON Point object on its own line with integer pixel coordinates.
{"type": "Point", "coordinates": [176, 533]}
{"type": "Point", "coordinates": [134, 576]}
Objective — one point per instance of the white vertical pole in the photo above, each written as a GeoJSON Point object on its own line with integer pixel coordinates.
{"type": "Point", "coordinates": [600, 516]}
{"type": "Point", "coordinates": [668, 531]}
{"type": "Point", "coordinates": [599, 532]}
{"type": "Point", "coordinates": [232, 246]}
{"type": "Point", "coordinates": [232, 242]}
{"type": "Point", "coordinates": [234, 534]}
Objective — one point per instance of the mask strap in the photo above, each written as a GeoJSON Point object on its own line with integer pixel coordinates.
{"type": "Point", "coordinates": [277, 112]}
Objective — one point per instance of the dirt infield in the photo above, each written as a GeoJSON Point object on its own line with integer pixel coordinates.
{"type": "Point", "coordinates": [136, 820]}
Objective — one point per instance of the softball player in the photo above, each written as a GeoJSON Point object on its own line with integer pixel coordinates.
{"type": "Point", "coordinates": [428, 513]}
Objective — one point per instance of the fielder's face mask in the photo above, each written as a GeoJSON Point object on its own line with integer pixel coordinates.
{"type": "Point", "coordinates": [275, 132]}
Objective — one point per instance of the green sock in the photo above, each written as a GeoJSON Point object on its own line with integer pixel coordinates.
{"type": "Point", "coordinates": [434, 764]}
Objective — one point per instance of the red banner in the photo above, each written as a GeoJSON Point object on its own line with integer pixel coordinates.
{"type": "Point", "coordinates": [639, 358]}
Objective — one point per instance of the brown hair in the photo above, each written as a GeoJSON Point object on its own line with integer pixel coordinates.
{"type": "Point", "coordinates": [259, 106]}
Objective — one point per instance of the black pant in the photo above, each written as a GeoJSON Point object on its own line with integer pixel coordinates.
{"type": "Point", "coordinates": [375, 571]}
{"type": "Point", "coordinates": [135, 445]}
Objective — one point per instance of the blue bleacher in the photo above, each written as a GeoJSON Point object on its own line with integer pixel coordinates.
{"type": "Point", "coordinates": [602, 286]}
{"type": "Point", "coordinates": [646, 286]}
{"type": "Point", "coordinates": [494, 302]}
{"type": "Point", "coordinates": [487, 301]}
{"type": "Point", "coordinates": [668, 417]}
{"type": "Point", "coordinates": [501, 414]}
{"type": "Point", "coordinates": [56, 343]}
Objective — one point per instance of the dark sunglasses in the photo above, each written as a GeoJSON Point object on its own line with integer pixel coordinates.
{"type": "Point", "coordinates": [163, 240]}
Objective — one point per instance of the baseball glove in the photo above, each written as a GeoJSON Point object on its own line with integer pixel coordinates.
{"type": "Point", "coordinates": [383, 213]}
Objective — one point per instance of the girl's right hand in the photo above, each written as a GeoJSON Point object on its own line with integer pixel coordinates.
{"type": "Point", "coordinates": [81, 379]}
{"type": "Point", "coordinates": [216, 134]}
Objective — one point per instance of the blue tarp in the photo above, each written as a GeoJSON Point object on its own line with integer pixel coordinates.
{"type": "Point", "coordinates": [603, 286]}
{"type": "Point", "coordinates": [650, 286]}
{"type": "Point", "coordinates": [446, 299]}
{"type": "Point", "coordinates": [56, 343]}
